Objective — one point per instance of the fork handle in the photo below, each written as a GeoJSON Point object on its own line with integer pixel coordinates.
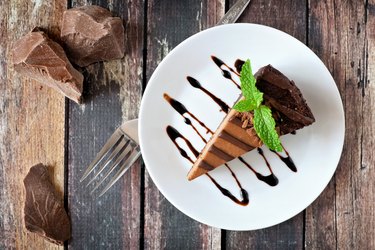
{"type": "Point", "coordinates": [234, 12]}
{"type": "Point", "coordinates": [131, 129]}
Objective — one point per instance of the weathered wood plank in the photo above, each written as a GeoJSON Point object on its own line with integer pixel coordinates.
{"type": "Point", "coordinates": [342, 35]}
{"type": "Point", "coordinates": [320, 228]}
{"type": "Point", "coordinates": [169, 23]}
{"type": "Point", "coordinates": [288, 16]}
{"type": "Point", "coordinates": [113, 93]}
{"type": "Point", "coordinates": [365, 205]}
{"type": "Point", "coordinates": [31, 122]}
{"type": "Point", "coordinates": [32, 127]}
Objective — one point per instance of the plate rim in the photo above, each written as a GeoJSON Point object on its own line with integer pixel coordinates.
{"type": "Point", "coordinates": [142, 139]}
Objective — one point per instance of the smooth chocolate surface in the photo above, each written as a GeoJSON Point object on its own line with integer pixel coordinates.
{"type": "Point", "coordinates": [90, 34]}
{"type": "Point", "coordinates": [44, 211]}
{"type": "Point", "coordinates": [38, 57]}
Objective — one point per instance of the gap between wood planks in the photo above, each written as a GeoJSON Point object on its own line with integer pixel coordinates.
{"type": "Point", "coordinates": [144, 83]}
{"type": "Point", "coordinates": [362, 84]}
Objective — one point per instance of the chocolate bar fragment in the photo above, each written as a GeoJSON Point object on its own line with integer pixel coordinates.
{"type": "Point", "coordinates": [38, 57]}
{"type": "Point", "coordinates": [90, 34]}
{"type": "Point", "coordinates": [44, 211]}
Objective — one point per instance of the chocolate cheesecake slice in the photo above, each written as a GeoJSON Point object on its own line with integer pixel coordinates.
{"type": "Point", "coordinates": [236, 135]}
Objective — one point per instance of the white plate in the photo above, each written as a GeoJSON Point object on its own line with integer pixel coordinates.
{"type": "Point", "coordinates": [315, 149]}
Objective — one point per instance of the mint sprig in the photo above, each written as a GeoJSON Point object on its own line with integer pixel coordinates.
{"type": "Point", "coordinates": [264, 126]}
{"type": "Point", "coordinates": [264, 123]}
{"type": "Point", "coordinates": [253, 97]}
{"type": "Point", "coordinates": [244, 105]}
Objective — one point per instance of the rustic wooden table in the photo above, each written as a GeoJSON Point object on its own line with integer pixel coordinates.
{"type": "Point", "coordinates": [39, 125]}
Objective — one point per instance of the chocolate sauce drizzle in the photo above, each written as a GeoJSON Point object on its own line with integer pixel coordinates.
{"type": "Point", "coordinates": [182, 110]}
{"type": "Point", "coordinates": [193, 82]}
{"type": "Point", "coordinates": [173, 134]}
{"type": "Point", "coordinates": [269, 179]}
{"type": "Point", "coordinates": [227, 193]}
{"type": "Point", "coordinates": [287, 160]}
{"type": "Point", "coordinates": [238, 65]}
{"type": "Point", "coordinates": [225, 72]}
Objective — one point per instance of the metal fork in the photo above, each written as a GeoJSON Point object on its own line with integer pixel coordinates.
{"type": "Point", "coordinates": [120, 152]}
{"type": "Point", "coordinates": [122, 148]}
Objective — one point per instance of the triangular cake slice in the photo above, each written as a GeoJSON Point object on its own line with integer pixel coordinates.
{"type": "Point", "coordinates": [236, 136]}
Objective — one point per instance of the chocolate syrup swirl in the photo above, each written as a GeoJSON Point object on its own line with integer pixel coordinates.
{"type": "Point", "coordinates": [225, 72]}
{"type": "Point", "coordinates": [182, 110]}
{"type": "Point", "coordinates": [269, 179]}
{"type": "Point", "coordinates": [238, 65]}
{"type": "Point", "coordinates": [193, 82]}
{"type": "Point", "coordinates": [174, 134]}
{"type": "Point", "coordinates": [227, 193]}
{"type": "Point", "coordinates": [287, 160]}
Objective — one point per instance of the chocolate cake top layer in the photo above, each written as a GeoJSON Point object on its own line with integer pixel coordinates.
{"type": "Point", "coordinates": [44, 211]}
{"type": "Point", "coordinates": [236, 136]}
{"type": "Point", "coordinates": [91, 34]}
{"type": "Point", "coordinates": [38, 57]}
{"type": "Point", "coordinates": [285, 99]}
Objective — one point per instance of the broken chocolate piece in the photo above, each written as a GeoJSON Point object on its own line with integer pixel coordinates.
{"type": "Point", "coordinates": [91, 34]}
{"type": "Point", "coordinates": [44, 211]}
{"type": "Point", "coordinates": [38, 57]}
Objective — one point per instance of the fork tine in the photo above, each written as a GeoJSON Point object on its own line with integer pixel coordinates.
{"type": "Point", "coordinates": [121, 160]}
{"type": "Point", "coordinates": [113, 157]}
{"type": "Point", "coordinates": [109, 146]}
{"type": "Point", "coordinates": [121, 171]}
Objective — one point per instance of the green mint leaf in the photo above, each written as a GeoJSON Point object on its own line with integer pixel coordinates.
{"type": "Point", "coordinates": [264, 126]}
{"type": "Point", "coordinates": [244, 105]}
{"type": "Point", "coordinates": [248, 81]}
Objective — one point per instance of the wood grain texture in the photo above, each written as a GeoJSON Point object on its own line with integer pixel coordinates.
{"type": "Point", "coordinates": [169, 23]}
{"type": "Point", "coordinates": [113, 92]}
{"type": "Point", "coordinates": [288, 16]}
{"type": "Point", "coordinates": [342, 35]}
{"type": "Point", "coordinates": [365, 172]}
{"type": "Point", "coordinates": [321, 215]}
{"type": "Point", "coordinates": [31, 122]}
{"type": "Point", "coordinates": [33, 127]}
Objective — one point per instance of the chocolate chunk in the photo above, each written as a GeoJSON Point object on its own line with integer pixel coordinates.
{"type": "Point", "coordinates": [44, 211]}
{"type": "Point", "coordinates": [91, 34]}
{"type": "Point", "coordinates": [38, 57]}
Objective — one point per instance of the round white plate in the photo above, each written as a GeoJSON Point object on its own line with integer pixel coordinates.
{"type": "Point", "coordinates": [315, 149]}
